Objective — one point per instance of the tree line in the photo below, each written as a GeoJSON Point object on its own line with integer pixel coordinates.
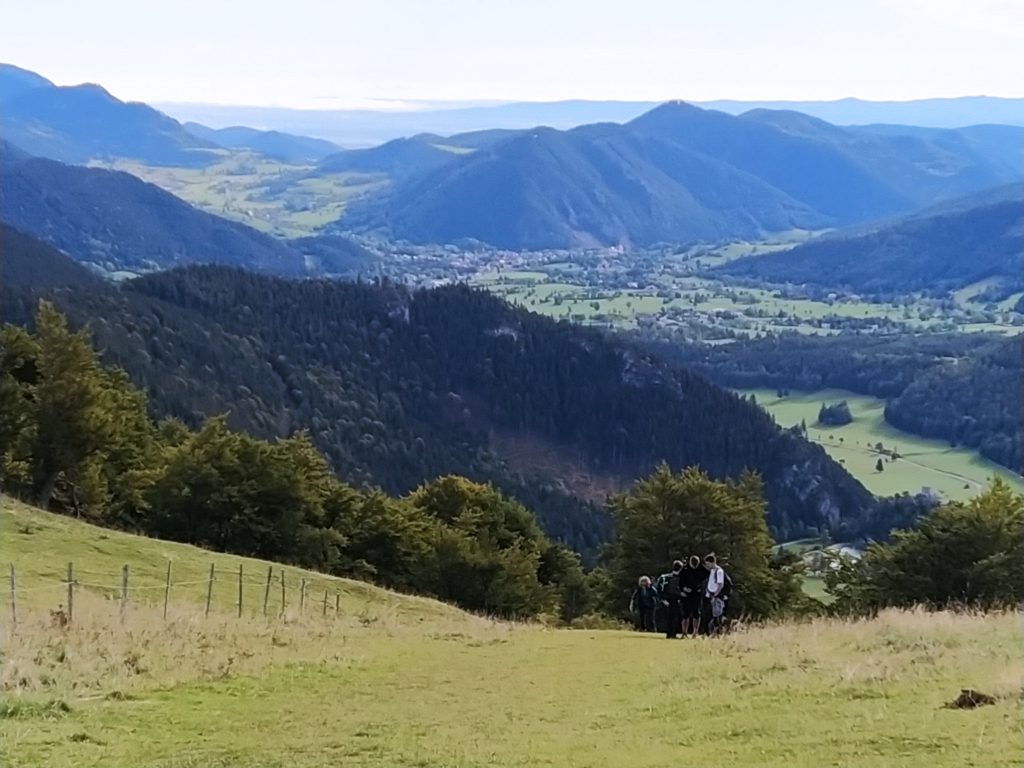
{"type": "Point", "coordinates": [956, 556]}
{"type": "Point", "coordinates": [76, 437]}
{"type": "Point", "coordinates": [396, 386]}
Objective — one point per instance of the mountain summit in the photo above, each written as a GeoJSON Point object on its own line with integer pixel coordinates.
{"type": "Point", "coordinates": [76, 124]}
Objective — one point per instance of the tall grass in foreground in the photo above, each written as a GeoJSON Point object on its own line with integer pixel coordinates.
{"type": "Point", "coordinates": [105, 652]}
{"type": "Point", "coordinates": [380, 687]}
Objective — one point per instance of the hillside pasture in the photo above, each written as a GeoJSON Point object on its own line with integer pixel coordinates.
{"type": "Point", "coordinates": [400, 681]}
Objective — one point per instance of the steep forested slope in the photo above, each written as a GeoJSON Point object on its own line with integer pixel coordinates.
{"type": "Point", "coordinates": [933, 251]}
{"type": "Point", "coordinates": [878, 365]}
{"type": "Point", "coordinates": [28, 262]}
{"type": "Point", "coordinates": [976, 402]}
{"type": "Point", "coordinates": [79, 123]}
{"type": "Point", "coordinates": [115, 222]}
{"type": "Point", "coordinates": [397, 387]}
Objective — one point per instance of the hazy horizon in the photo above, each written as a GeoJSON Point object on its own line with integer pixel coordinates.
{"type": "Point", "coordinates": [320, 55]}
{"type": "Point", "coordinates": [410, 106]}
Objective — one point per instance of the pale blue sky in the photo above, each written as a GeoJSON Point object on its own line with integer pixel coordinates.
{"type": "Point", "coordinates": [339, 53]}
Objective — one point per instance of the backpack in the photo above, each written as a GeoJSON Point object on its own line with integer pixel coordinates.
{"type": "Point", "coordinates": [726, 586]}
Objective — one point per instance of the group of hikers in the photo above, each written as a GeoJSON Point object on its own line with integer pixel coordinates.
{"type": "Point", "coordinates": [691, 599]}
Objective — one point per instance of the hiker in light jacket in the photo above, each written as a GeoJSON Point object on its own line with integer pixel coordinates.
{"type": "Point", "coordinates": [714, 605]}
{"type": "Point", "coordinates": [642, 604]}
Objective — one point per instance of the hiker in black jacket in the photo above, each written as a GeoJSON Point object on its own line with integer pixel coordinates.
{"type": "Point", "coordinates": [694, 581]}
{"type": "Point", "coordinates": [670, 590]}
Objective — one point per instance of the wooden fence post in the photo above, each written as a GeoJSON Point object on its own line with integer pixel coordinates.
{"type": "Point", "coordinates": [167, 589]}
{"type": "Point", "coordinates": [302, 596]}
{"type": "Point", "coordinates": [124, 591]}
{"type": "Point", "coordinates": [325, 602]}
{"type": "Point", "coordinates": [337, 603]}
{"type": "Point", "coordinates": [71, 592]}
{"type": "Point", "coordinates": [266, 592]}
{"type": "Point", "coordinates": [239, 590]}
{"type": "Point", "coordinates": [282, 592]}
{"type": "Point", "coordinates": [14, 600]}
{"type": "Point", "coordinates": [209, 590]}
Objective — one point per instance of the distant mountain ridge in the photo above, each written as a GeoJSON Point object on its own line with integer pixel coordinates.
{"type": "Point", "coordinates": [358, 127]}
{"type": "Point", "coordinates": [675, 174]}
{"type": "Point", "coordinates": [285, 147]}
{"type": "Point", "coordinates": [80, 123]}
{"type": "Point", "coordinates": [678, 173]}
{"type": "Point", "coordinates": [400, 157]}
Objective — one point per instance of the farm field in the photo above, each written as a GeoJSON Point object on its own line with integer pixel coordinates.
{"type": "Point", "coordinates": [382, 686]}
{"type": "Point", "coordinates": [273, 197]}
{"type": "Point", "coordinates": [671, 295]}
{"type": "Point", "coordinates": [954, 473]}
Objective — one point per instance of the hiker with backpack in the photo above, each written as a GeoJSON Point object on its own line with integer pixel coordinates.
{"type": "Point", "coordinates": [643, 604]}
{"type": "Point", "coordinates": [670, 590]}
{"type": "Point", "coordinates": [714, 596]}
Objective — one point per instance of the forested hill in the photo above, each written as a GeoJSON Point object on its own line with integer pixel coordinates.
{"type": "Point", "coordinates": [28, 262]}
{"type": "Point", "coordinates": [285, 147]}
{"type": "Point", "coordinates": [976, 402]}
{"type": "Point", "coordinates": [937, 250]}
{"type": "Point", "coordinates": [114, 222]}
{"type": "Point", "coordinates": [395, 387]}
{"type": "Point", "coordinates": [960, 387]}
{"type": "Point", "coordinates": [675, 174]}
{"type": "Point", "coordinates": [79, 123]}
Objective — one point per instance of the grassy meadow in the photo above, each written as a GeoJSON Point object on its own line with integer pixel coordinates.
{"type": "Point", "coordinates": [268, 195]}
{"type": "Point", "coordinates": [955, 473]}
{"type": "Point", "coordinates": [400, 681]}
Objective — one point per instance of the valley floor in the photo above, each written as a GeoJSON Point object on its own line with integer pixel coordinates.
{"type": "Point", "coordinates": [954, 473]}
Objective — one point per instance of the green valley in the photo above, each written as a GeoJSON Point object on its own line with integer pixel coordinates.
{"type": "Point", "coordinates": [278, 198]}
{"type": "Point", "coordinates": [950, 472]}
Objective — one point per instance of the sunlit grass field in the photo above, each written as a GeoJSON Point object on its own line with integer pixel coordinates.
{"type": "Point", "coordinates": [273, 197]}
{"type": "Point", "coordinates": [955, 473]}
{"type": "Point", "coordinates": [397, 681]}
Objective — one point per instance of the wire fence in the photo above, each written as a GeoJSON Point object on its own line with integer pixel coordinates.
{"type": "Point", "coordinates": [282, 591]}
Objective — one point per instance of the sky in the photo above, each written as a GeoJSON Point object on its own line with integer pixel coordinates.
{"type": "Point", "coordinates": [388, 53]}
